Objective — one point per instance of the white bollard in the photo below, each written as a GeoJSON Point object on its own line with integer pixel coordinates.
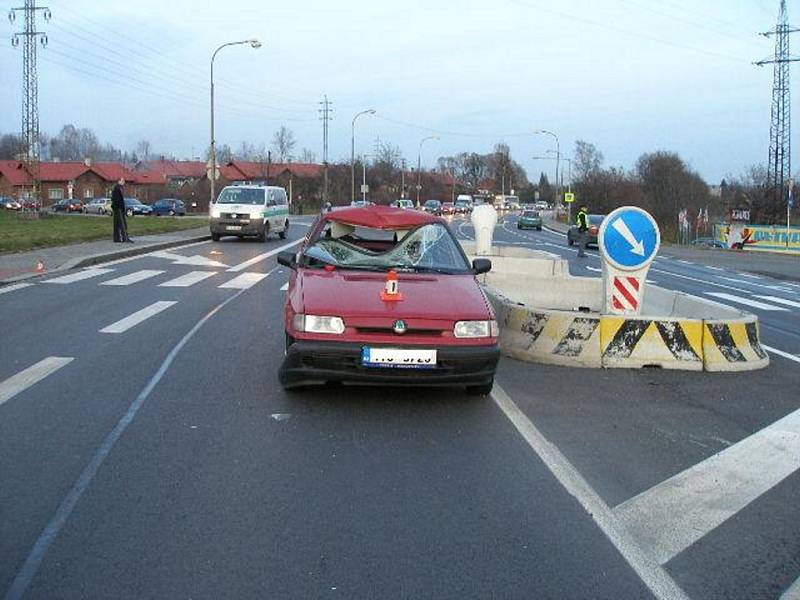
{"type": "Point", "coordinates": [484, 219]}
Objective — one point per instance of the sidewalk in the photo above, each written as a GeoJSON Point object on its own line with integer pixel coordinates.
{"type": "Point", "coordinates": [23, 265]}
{"type": "Point", "coordinates": [778, 266]}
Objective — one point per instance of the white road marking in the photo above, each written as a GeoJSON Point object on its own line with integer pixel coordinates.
{"type": "Point", "coordinates": [285, 287]}
{"type": "Point", "coordinates": [793, 593]}
{"type": "Point", "coordinates": [132, 278]}
{"type": "Point", "coordinates": [189, 279]}
{"type": "Point", "coordinates": [150, 254]}
{"type": "Point", "coordinates": [243, 281]}
{"type": "Point", "coordinates": [651, 573]}
{"type": "Point", "coordinates": [123, 325]}
{"type": "Point", "coordinates": [261, 257]}
{"type": "Point", "coordinates": [14, 287]}
{"type": "Point", "coordinates": [594, 269]}
{"type": "Point", "coordinates": [714, 268]}
{"type": "Point", "coordinates": [80, 276]}
{"type": "Point", "coordinates": [676, 513]}
{"type": "Point", "coordinates": [196, 261]}
{"type": "Point", "coordinates": [33, 374]}
{"type": "Point", "coordinates": [749, 275]}
{"type": "Point", "coordinates": [785, 355]}
{"type": "Point", "coordinates": [777, 300]}
{"type": "Point", "coordinates": [745, 301]}
{"type": "Point", "coordinates": [685, 262]}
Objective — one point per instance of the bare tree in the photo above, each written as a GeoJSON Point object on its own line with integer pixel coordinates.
{"type": "Point", "coordinates": [586, 159]}
{"type": "Point", "coordinates": [283, 143]}
{"type": "Point", "coordinates": [11, 146]}
{"type": "Point", "coordinates": [308, 156]}
{"type": "Point", "coordinates": [144, 150]}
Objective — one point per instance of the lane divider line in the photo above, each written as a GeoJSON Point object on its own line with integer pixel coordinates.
{"type": "Point", "coordinates": [14, 287]}
{"type": "Point", "coordinates": [652, 574]}
{"type": "Point", "coordinates": [261, 257]}
{"type": "Point", "coordinates": [34, 374]}
{"type": "Point", "coordinates": [781, 353]}
{"type": "Point", "coordinates": [139, 316]}
{"type": "Point", "coordinates": [79, 276]}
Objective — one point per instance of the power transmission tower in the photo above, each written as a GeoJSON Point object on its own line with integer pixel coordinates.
{"type": "Point", "coordinates": [779, 169]}
{"type": "Point", "coordinates": [30, 85]}
{"type": "Point", "coordinates": [326, 111]}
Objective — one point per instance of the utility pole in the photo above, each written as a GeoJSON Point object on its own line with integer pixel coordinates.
{"type": "Point", "coordinates": [326, 111]}
{"type": "Point", "coordinates": [779, 168]}
{"type": "Point", "coordinates": [30, 86]}
{"type": "Point", "coordinates": [402, 178]}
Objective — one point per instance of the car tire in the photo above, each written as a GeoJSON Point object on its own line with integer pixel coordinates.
{"type": "Point", "coordinates": [283, 233]}
{"type": "Point", "coordinates": [262, 237]}
{"type": "Point", "coordinates": [215, 237]}
{"type": "Point", "coordinates": [480, 390]}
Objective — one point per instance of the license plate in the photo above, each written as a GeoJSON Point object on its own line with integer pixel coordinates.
{"type": "Point", "coordinates": [398, 358]}
{"type": "Point", "coordinates": [233, 227]}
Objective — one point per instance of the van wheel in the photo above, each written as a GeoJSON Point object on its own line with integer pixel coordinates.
{"type": "Point", "coordinates": [262, 237]}
{"type": "Point", "coordinates": [215, 237]}
{"type": "Point", "coordinates": [283, 233]}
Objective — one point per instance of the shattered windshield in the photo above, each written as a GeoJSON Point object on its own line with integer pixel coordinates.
{"type": "Point", "coordinates": [427, 248]}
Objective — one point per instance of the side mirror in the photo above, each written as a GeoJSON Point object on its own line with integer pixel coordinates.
{"type": "Point", "coordinates": [479, 265]}
{"type": "Point", "coordinates": [287, 259]}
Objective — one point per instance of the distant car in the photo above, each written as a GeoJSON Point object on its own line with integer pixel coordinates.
{"type": "Point", "coordinates": [541, 205]}
{"type": "Point", "coordinates": [134, 207]}
{"type": "Point", "coordinates": [403, 203]}
{"type": "Point", "coordinates": [10, 203]}
{"type": "Point", "coordinates": [463, 207]}
{"type": "Point", "coordinates": [361, 203]}
{"type": "Point", "coordinates": [67, 205]}
{"type": "Point", "coordinates": [433, 207]}
{"type": "Point", "coordinates": [574, 234]}
{"type": "Point", "coordinates": [97, 206]}
{"type": "Point", "coordinates": [448, 208]}
{"type": "Point", "coordinates": [530, 219]}
{"type": "Point", "coordinates": [708, 242]}
{"type": "Point", "coordinates": [169, 206]}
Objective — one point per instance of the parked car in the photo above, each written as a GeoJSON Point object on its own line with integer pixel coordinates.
{"type": "Point", "coordinates": [67, 205]}
{"type": "Point", "coordinates": [530, 219]}
{"type": "Point", "coordinates": [361, 203]}
{"type": "Point", "coordinates": [10, 204]}
{"type": "Point", "coordinates": [97, 206]}
{"type": "Point", "coordinates": [574, 234]}
{"type": "Point", "coordinates": [541, 205]}
{"type": "Point", "coordinates": [433, 207]}
{"type": "Point", "coordinates": [708, 242]}
{"type": "Point", "coordinates": [384, 296]}
{"type": "Point", "coordinates": [463, 207]}
{"type": "Point", "coordinates": [403, 203]}
{"type": "Point", "coordinates": [448, 208]}
{"type": "Point", "coordinates": [169, 206]}
{"type": "Point", "coordinates": [134, 207]}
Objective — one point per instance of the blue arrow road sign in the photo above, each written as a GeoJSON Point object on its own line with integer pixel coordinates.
{"type": "Point", "coordinates": [629, 238]}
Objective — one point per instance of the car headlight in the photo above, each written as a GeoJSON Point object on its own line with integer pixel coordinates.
{"type": "Point", "coordinates": [215, 212]}
{"type": "Point", "coordinates": [318, 324]}
{"type": "Point", "coordinates": [476, 329]}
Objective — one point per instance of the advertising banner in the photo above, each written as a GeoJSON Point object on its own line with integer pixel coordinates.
{"type": "Point", "coordinates": [758, 237]}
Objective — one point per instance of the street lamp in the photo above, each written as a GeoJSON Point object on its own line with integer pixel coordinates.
{"type": "Point", "coordinates": [253, 43]}
{"type": "Point", "coordinates": [364, 177]}
{"type": "Point", "coordinates": [419, 163]}
{"type": "Point", "coordinates": [370, 111]}
{"type": "Point", "coordinates": [569, 162]}
{"type": "Point", "coordinates": [558, 152]}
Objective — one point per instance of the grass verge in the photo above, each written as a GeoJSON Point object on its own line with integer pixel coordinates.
{"type": "Point", "coordinates": [18, 234]}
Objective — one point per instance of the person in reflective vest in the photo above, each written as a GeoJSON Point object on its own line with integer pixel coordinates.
{"type": "Point", "coordinates": [582, 221]}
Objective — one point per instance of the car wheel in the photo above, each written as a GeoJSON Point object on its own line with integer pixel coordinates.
{"type": "Point", "coordinates": [283, 233]}
{"type": "Point", "coordinates": [215, 237]}
{"type": "Point", "coordinates": [480, 390]}
{"type": "Point", "coordinates": [262, 237]}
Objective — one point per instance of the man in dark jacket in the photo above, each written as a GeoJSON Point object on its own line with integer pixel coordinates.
{"type": "Point", "coordinates": [118, 210]}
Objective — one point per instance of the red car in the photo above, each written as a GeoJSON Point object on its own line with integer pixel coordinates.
{"type": "Point", "coordinates": [381, 295]}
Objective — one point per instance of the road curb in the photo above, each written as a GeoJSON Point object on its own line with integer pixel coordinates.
{"type": "Point", "coordinates": [96, 259]}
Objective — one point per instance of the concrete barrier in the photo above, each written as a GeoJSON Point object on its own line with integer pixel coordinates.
{"type": "Point", "coordinates": [647, 342]}
{"type": "Point", "coordinates": [733, 345]}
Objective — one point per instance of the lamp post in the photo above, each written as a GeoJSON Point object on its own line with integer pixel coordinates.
{"type": "Point", "coordinates": [364, 177]}
{"type": "Point", "coordinates": [558, 155]}
{"type": "Point", "coordinates": [569, 162]}
{"type": "Point", "coordinates": [370, 111]}
{"type": "Point", "coordinates": [419, 163]}
{"type": "Point", "coordinates": [253, 43]}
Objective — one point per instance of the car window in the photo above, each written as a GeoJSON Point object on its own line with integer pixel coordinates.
{"type": "Point", "coordinates": [235, 195]}
{"type": "Point", "coordinates": [429, 247]}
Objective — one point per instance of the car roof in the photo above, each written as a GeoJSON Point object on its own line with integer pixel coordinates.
{"type": "Point", "coordinates": [379, 217]}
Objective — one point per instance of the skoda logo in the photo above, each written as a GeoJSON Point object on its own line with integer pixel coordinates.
{"type": "Point", "coordinates": [400, 327]}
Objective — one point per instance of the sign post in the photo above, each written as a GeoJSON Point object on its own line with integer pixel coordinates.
{"type": "Point", "coordinates": [629, 240]}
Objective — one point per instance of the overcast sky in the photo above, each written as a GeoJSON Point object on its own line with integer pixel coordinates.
{"type": "Point", "coordinates": [630, 76]}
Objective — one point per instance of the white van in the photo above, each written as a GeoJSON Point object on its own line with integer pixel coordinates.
{"type": "Point", "coordinates": [250, 210]}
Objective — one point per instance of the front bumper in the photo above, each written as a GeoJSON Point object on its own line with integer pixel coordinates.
{"type": "Point", "coordinates": [314, 363]}
{"type": "Point", "coordinates": [223, 226]}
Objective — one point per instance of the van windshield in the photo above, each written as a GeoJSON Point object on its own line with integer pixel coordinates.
{"type": "Point", "coordinates": [241, 196]}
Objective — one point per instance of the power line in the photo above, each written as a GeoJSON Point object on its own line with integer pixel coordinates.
{"type": "Point", "coordinates": [326, 117]}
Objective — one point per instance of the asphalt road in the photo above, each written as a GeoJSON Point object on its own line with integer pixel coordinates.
{"type": "Point", "coordinates": [146, 450]}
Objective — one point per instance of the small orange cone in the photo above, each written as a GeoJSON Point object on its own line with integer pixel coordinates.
{"type": "Point", "coordinates": [391, 293]}
{"type": "Point", "coordinates": [40, 268]}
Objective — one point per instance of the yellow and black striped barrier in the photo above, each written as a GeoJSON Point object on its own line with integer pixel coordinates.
{"type": "Point", "coordinates": [643, 342]}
